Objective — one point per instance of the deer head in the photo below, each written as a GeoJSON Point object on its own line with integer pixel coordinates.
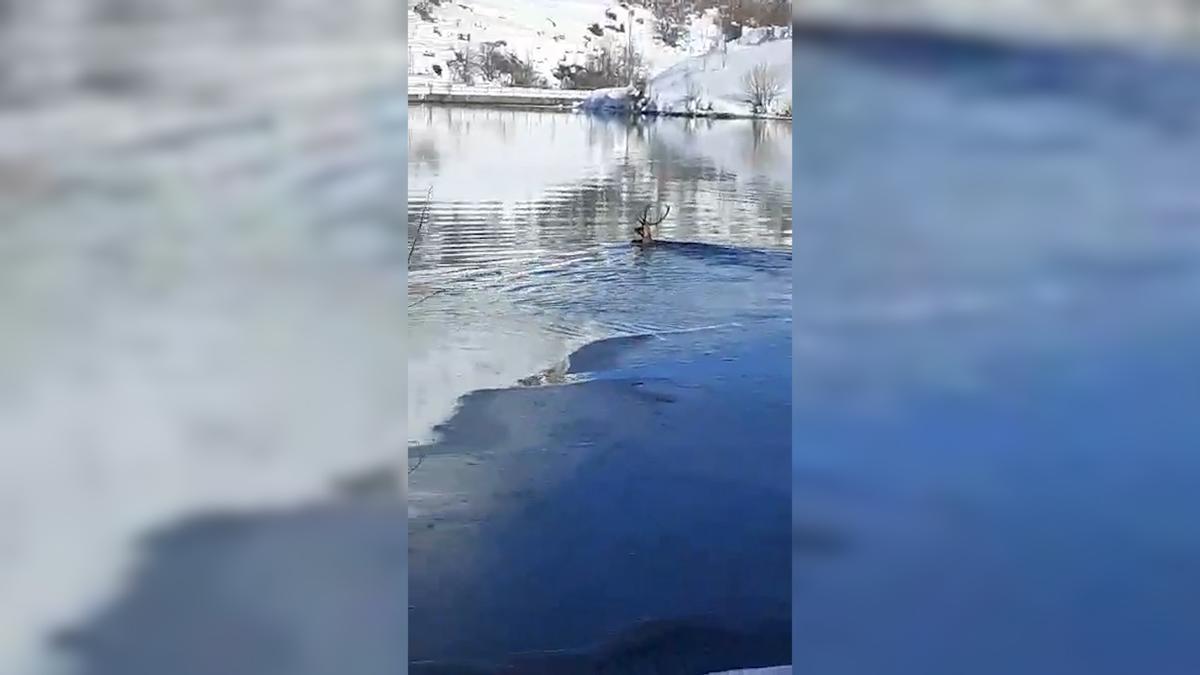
{"type": "Point", "coordinates": [645, 223]}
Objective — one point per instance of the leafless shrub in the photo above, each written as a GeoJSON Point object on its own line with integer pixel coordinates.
{"type": "Point", "coordinates": [761, 87]}
{"type": "Point", "coordinates": [523, 74]}
{"type": "Point", "coordinates": [493, 62]}
{"type": "Point", "coordinates": [496, 63]}
{"type": "Point", "coordinates": [610, 66]}
{"type": "Point", "coordinates": [463, 65]}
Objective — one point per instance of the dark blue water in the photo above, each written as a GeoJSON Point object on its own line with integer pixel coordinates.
{"type": "Point", "coordinates": [632, 514]}
{"type": "Point", "coordinates": [997, 376]}
{"type": "Point", "coordinates": [636, 516]}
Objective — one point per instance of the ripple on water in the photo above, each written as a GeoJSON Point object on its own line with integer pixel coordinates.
{"type": "Point", "coordinates": [526, 245]}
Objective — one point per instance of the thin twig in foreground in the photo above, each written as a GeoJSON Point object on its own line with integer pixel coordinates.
{"type": "Point", "coordinates": [427, 296]}
{"type": "Point", "coordinates": [420, 224]}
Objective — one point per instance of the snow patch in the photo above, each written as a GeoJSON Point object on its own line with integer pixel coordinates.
{"type": "Point", "coordinates": [715, 84]}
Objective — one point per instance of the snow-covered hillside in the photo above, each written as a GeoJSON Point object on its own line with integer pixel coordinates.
{"type": "Point", "coordinates": [720, 84]}
{"type": "Point", "coordinates": [742, 81]}
{"type": "Point", "coordinates": [544, 33]}
{"type": "Point", "coordinates": [703, 74]}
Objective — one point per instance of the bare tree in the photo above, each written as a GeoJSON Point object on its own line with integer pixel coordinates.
{"type": "Point", "coordinates": [490, 59]}
{"type": "Point", "coordinates": [463, 65]}
{"type": "Point", "coordinates": [761, 87]}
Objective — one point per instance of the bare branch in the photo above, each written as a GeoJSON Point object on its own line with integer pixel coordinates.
{"type": "Point", "coordinates": [414, 467]}
{"type": "Point", "coordinates": [427, 296]}
{"type": "Point", "coordinates": [420, 224]}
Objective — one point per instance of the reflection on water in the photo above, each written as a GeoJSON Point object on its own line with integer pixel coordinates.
{"type": "Point", "coordinates": [998, 300]}
{"type": "Point", "coordinates": [614, 523]}
{"type": "Point", "coordinates": [527, 219]}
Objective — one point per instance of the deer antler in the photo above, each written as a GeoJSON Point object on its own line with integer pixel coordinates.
{"type": "Point", "coordinates": [644, 219]}
{"type": "Point", "coordinates": [664, 215]}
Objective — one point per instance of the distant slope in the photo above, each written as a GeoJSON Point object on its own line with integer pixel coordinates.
{"type": "Point", "coordinates": [710, 85]}
{"type": "Point", "coordinates": [716, 83]}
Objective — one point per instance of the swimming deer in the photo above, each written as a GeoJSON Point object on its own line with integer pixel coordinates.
{"type": "Point", "coordinates": [645, 225]}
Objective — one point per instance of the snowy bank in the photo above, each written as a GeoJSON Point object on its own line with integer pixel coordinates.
{"type": "Point", "coordinates": [713, 85]}
{"type": "Point", "coordinates": [716, 84]}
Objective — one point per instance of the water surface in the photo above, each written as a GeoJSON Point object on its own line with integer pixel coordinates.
{"type": "Point", "coordinates": [522, 255]}
{"type": "Point", "coordinates": [629, 508]}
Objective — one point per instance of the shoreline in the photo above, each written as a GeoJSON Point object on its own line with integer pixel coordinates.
{"type": "Point", "coordinates": [492, 105]}
{"type": "Point", "coordinates": [534, 107]}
